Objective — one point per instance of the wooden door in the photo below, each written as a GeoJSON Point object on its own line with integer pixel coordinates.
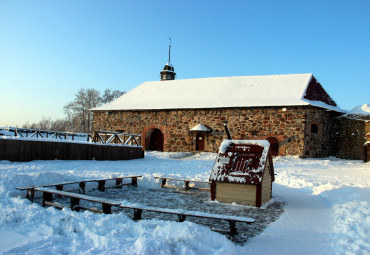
{"type": "Point", "coordinates": [200, 142]}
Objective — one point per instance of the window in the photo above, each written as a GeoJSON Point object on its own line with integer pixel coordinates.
{"type": "Point", "coordinates": [314, 128]}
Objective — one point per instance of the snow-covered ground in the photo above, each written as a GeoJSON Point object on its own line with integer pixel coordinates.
{"type": "Point", "coordinates": [326, 211]}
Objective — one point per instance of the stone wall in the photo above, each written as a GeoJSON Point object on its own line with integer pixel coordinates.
{"type": "Point", "coordinates": [291, 126]}
{"type": "Point", "coordinates": [349, 137]}
{"type": "Point", "coordinates": [318, 143]}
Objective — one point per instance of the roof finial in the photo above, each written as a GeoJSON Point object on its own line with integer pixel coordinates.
{"type": "Point", "coordinates": [169, 52]}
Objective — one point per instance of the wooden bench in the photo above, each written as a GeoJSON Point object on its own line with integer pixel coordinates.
{"type": "Point", "coordinates": [82, 185]}
{"type": "Point", "coordinates": [107, 208]}
{"type": "Point", "coordinates": [47, 199]}
{"type": "Point", "coordinates": [183, 214]}
{"type": "Point", "coordinates": [187, 182]}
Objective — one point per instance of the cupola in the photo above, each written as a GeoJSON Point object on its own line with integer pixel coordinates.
{"type": "Point", "coordinates": [168, 72]}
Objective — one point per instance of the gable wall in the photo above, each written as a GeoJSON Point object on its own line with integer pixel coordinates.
{"type": "Point", "coordinates": [316, 92]}
{"type": "Point", "coordinates": [288, 126]}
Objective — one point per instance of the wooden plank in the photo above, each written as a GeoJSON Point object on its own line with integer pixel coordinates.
{"type": "Point", "coordinates": [235, 187]}
{"type": "Point", "coordinates": [238, 193]}
{"type": "Point", "coordinates": [75, 182]}
{"type": "Point", "coordinates": [192, 213]}
{"type": "Point", "coordinates": [251, 202]}
{"type": "Point", "coordinates": [78, 196]}
{"type": "Point", "coordinates": [175, 179]}
{"type": "Point", "coordinates": [55, 204]}
{"type": "Point", "coordinates": [235, 195]}
{"type": "Point", "coordinates": [27, 150]}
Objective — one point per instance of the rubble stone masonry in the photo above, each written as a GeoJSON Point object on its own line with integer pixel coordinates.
{"type": "Point", "coordinates": [302, 131]}
{"type": "Point", "coordinates": [350, 135]}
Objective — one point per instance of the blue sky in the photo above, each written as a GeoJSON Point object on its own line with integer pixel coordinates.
{"type": "Point", "coordinates": [50, 49]}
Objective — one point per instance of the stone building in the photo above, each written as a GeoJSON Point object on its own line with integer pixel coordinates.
{"type": "Point", "coordinates": [293, 112]}
{"type": "Point", "coordinates": [351, 134]}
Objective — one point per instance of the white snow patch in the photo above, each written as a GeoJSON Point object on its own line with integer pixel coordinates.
{"type": "Point", "coordinates": [361, 110]}
{"type": "Point", "coordinates": [226, 143]}
{"type": "Point", "coordinates": [327, 210]}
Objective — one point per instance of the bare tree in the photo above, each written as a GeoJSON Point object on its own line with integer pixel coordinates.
{"type": "Point", "coordinates": [110, 95]}
{"type": "Point", "coordinates": [79, 118]}
{"type": "Point", "coordinates": [45, 123]}
{"type": "Point", "coordinates": [78, 113]}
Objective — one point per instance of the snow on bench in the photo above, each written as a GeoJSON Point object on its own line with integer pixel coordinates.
{"type": "Point", "coordinates": [47, 199]}
{"type": "Point", "coordinates": [187, 182]}
{"type": "Point", "coordinates": [82, 184]}
{"type": "Point", "coordinates": [108, 203]}
{"type": "Point", "coordinates": [183, 214]}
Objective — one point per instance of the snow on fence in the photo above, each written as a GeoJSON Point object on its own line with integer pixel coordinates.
{"type": "Point", "coordinates": [47, 134]}
{"type": "Point", "coordinates": [104, 137]}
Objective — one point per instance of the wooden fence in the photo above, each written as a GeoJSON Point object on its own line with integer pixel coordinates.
{"type": "Point", "coordinates": [28, 150]}
{"type": "Point", "coordinates": [38, 133]}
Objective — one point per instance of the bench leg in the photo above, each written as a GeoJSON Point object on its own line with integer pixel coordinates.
{"type": "Point", "coordinates": [233, 230]}
{"type": "Point", "coordinates": [75, 202]}
{"type": "Point", "coordinates": [137, 214]}
{"type": "Point", "coordinates": [164, 181]}
{"type": "Point", "coordinates": [186, 185]}
{"type": "Point", "coordinates": [181, 217]}
{"type": "Point", "coordinates": [59, 187]}
{"type": "Point", "coordinates": [31, 194]}
{"type": "Point", "coordinates": [134, 181]}
{"type": "Point", "coordinates": [118, 181]}
{"type": "Point", "coordinates": [46, 197]}
{"type": "Point", "coordinates": [107, 208]}
{"type": "Point", "coordinates": [101, 186]}
{"type": "Point", "coordinates": [82, 186]}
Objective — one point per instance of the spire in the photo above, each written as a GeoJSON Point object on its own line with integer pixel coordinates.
{"type": "Point", "coordinates": [169, 52]}
{"type": "Point", "coordinates": [168, 72]}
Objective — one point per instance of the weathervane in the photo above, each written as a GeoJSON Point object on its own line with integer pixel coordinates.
{"type": "Point", "coordinates": [169, 52]}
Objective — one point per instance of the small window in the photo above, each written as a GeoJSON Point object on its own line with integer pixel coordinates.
{"type": "Point", "coordinates": [314, 128]}
{"type": "Point", "coordinates": [254, 133]}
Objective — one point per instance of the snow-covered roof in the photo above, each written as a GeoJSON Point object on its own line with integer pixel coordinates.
{"type": "Point", "coordinates": [220, 92]}
{"type": "Point", "coordinates": [241, 161]}
{"type": "Point", "coordinates": [361, 110]}
{"type": "Point", "coordinates": [200, 127]}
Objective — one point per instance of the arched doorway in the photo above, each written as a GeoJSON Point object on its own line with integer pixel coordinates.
{"type": "Point", "coordinates": [199, 142]}
{"type": "Point", "coordinates": [156, 140]}
{"type": "Point", "coordinates": [274, 145]}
